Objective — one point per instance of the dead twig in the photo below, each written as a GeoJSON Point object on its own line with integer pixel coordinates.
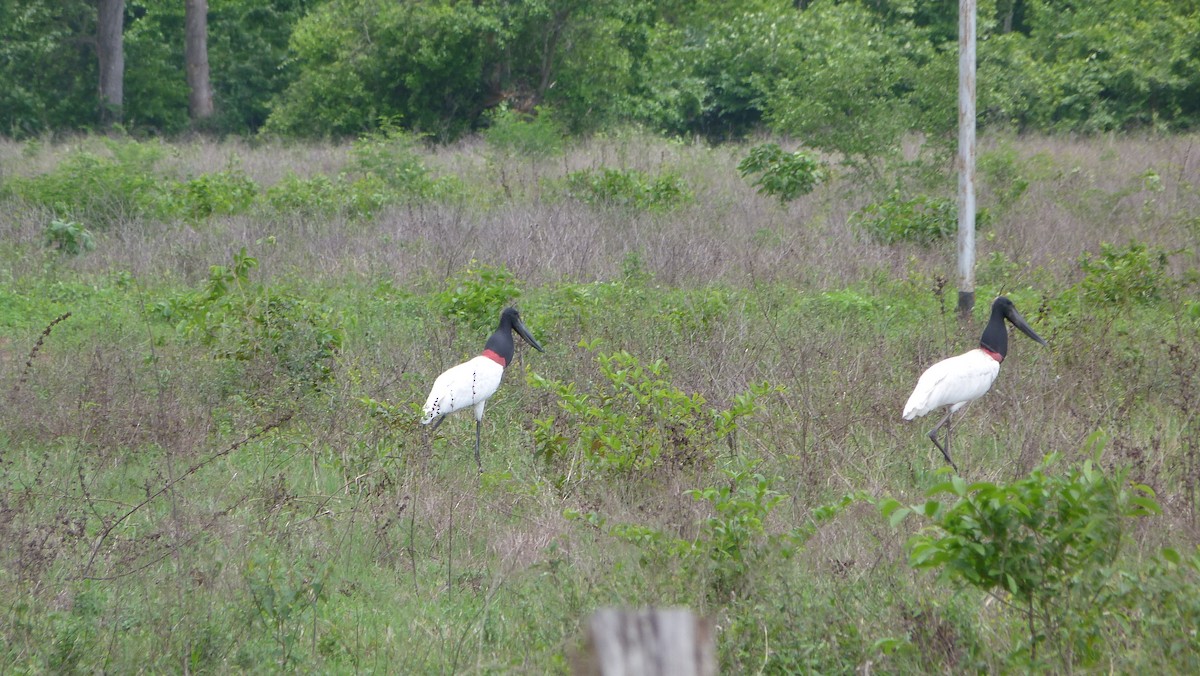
{"type": "Point", "coordinates": [33, 353]}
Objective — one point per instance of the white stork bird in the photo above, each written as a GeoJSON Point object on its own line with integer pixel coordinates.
{"type": "Point", "coordinates": [958, 380]}
{"type": "Point", "coordinates": [472, 382]}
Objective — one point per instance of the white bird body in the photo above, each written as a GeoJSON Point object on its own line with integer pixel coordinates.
{"type": "Point", "coordinates": [473, 381]}
{"type": "Point", "coordinates": [954, 382]}
{"type": "Point", "coordinates": [958, 380]}
{"type": "Point", "coordinates": [468, 384]}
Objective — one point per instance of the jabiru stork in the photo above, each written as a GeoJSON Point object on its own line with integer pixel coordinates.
{"type": "Point", "coordinates": [472, 382]}
{"type": "Point", "coordinates": [958, 380]}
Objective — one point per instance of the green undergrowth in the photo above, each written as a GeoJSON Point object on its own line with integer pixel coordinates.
{"type": "Point", "coordinates": [221, 469]}
{"type": "Point", "coordinates": [342, 538]}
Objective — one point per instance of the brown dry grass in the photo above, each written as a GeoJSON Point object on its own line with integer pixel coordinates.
{"type": "Point", "coordinates": [1082, 193]}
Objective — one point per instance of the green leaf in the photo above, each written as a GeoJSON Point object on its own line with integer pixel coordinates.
{"type": "Point", "coordinates": [898, 516]}
{"type": "Point", "coordinates": [889, 505]}
{"type": "Point", "coordinates": [1171, 555]}
{"type": "Point", "coordinates": [959, 485]}
{"type": "Point", "coordinates": [1148, 506]}
{"type": "Point", "coordinates": [944, 487]}
{"type": "Point", "coordinates": [888, 645]}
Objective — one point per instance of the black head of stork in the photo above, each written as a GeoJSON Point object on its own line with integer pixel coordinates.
{"type": "Point", "coordinates": [501, 340]}
{"type": "Point", "coordinates": [995, 334]}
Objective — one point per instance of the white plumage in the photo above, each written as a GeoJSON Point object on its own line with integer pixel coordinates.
{"type": "Point", "coordinates": [957, 381]}
{"type": "Point", "coordinates": [472, 382]}
{"type": "Point", "coordinates": [468, 384]}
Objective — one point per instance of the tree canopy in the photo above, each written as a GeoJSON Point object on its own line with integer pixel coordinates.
{"type": "Point", "coordinates": [849, 74]}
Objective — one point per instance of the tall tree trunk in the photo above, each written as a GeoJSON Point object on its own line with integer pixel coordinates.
{"type": "Point", "coordinates": [110, 48]}
{"type": "Point", "coordinates": [195, 55]}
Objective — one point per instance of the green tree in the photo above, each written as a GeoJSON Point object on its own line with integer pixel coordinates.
{"type": "Point", "coordinates": [438, 65]}
{"type": "Point", "coordinates": [854, 85]}
{"type": "Point", "coordinates": [48, 70]}
{"type": "Point", "coordinates": [1098, 66]}
{"type": "Point", "coordinates": [364, 60]}
{"type": "Point", "coordinates": [247, 52]}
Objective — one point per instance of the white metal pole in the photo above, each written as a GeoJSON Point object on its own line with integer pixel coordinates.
{"type": "Point", "coordinates": [966, 156]}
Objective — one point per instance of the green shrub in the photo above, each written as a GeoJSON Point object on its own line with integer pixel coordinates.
{"type": "Point", "coordinates": [531, 136]}
{"type": "Point", "coordinates": [222, 193]}
{"type": "Point", "coordinates": [1048, 541]}
{"type": "Point", "coordinates": [242, 321]}
{"type": "Point", "coordinates": [391, 156]}
{"type": "Point", "coordinates": [69, 237]}
{"type": "Point", "coordinates": [920, 220]}
{"type": "Point", "coordinates": [733, 542]}
{"type": "Point", "coordinates": [477, 295]}
{"type": "Point", "coordinates": [322, 196]}
{"type": "Point", "coordinates": [635, 421]}
{"type": "Point", "coordinates": [316, 196]}
{"type": "Point", "coordinates": [1159, 606]}
{"type": "Point", "coordinates": [97, 188]}
{"type": "Point", "coordinates": [853, 84]}
{"type": "Point", "coordinates": [1134, 275]}
{"type": "Point", "coordinates": [1004, 173]}
{"type": "Point", "coordinates": [630, 188]}
{"type": "Point", "coordinates": [281, 595]}
{"type": "Point", "coordinates": [781, 174]}
{"type": "Point", "coordinates": [734, 534]}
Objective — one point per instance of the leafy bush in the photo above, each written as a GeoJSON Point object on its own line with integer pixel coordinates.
{"type": "Point", "coordinates": [782, 174]}
{"type": "Point", "coordinates": [363, 59]}
{"type": "Point", "coordinates": [1103, 66]}
{"type": "Point", "coordinates": [323, 196]}
{"type": "Point", "coordinates": [477, 295]}
{"type": "Point", "coordinates": [736, 532]}
{"type": "Point", "coordinates": [1160, 610]}
{"type": "Point", "coordinates": [100, 189]}
{"type": "Point", "coordinates": [1048, 541]}
{"type": "Point", "coordinates": [69, 237]}
{"type": "Point", "coordinates": [921, 220]}
{"type": "Point", "coordinates": [706, 72]}
{"type": "Point", "coordinates": [316, 196]}
{"type": "Point", "coordinates": [242, 321]}
{"type": "Point", "coordinates": [1136, 274]}
{"type": "Point", "coordinates": [733, 541]}
{"type": "Point", "coordinates": [1003, 172]}
{"type": "Point", "coordinates": [390, 155]}
{"type": "Point", "coordinates": [636, 421]}
{"type": "Point", "coordinates": [628, 188]}
{"type": "Point", "coordinates": [281, 595]}
{"type": "Point", "coordinates": [532, 136]}
{"type": "Point", "coordinates": [693, 312]}
{"type": "Point", "coordinates": [853, 83]}
{"type": "Point", "coordinates": [222, 193]}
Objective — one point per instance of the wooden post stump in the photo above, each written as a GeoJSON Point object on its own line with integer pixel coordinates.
{"type": "Point", "coordinates": [648, 642]}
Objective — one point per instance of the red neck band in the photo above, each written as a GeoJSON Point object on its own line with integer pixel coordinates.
{"type": "Point", "coordinates": [994, 355]}
{"type": "Point", "coordinates": [490, 354]}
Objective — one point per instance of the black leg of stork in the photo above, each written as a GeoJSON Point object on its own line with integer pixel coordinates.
{"type": "Point", "coordinates": [478, 424]}
{"type": "Point", "coordinates": [933, 437]}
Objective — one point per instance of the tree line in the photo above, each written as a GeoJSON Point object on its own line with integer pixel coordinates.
{"type": "Point", "coordinates": [848, 75]}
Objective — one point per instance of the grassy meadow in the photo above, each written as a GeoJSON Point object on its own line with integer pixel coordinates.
{"type": "Point", "coordinates": [213, 464]}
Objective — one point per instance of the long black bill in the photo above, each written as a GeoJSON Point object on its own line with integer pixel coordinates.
{"type": "Point", "coordinates": [519, 326]}
{"type": "Point", "coordinates": [1018, 321]}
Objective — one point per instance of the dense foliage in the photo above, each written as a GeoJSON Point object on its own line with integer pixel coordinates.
{"type": "Point", "coordinates": [849, 76]}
